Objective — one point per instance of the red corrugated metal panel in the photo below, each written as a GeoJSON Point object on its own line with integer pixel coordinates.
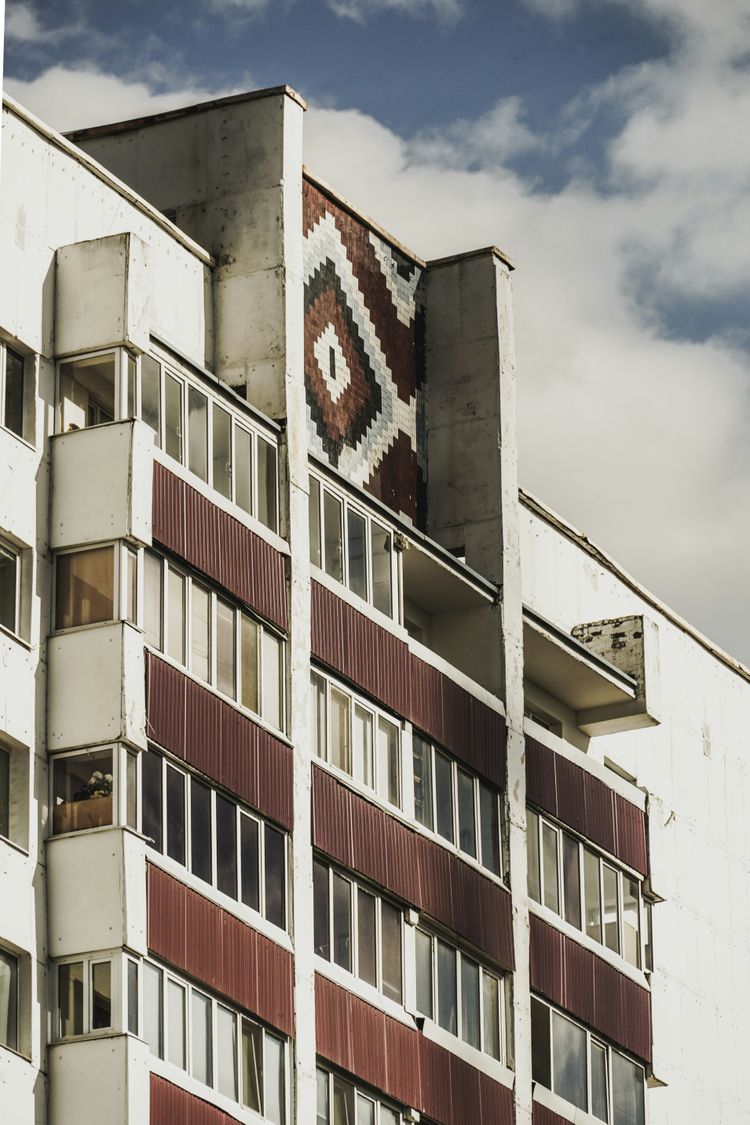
{"type": "Point", "coordinates": [632, 846]}
{"type": "Point", "coordinates": [332, 827]}
{"type": "Point", "coordinates": [171, 1105]}
{"type": "Point", "coordinates": [497, 1102]}
{"type": "Point", "coordinates": [546, 960]}
{"type": "Point", "coordinates": [211, 735]}
{"type": "Point", "coordinates": [600, 814]}
{"type": "Point", "coordinates": [571, 794]}
{"type": "Point", "coordinates": [636, 1010]}
{"type": "Point", "coordinates": [426, 706]}
{"type": "Point", "coordinates": [540, 1115]}
{"type": "Point", "coordinates": [219, 546]}
{"type": "Point", "coordinates": [579, 981]}
{"type": "Point", "coordinates": [193, 934]}
{"type": "Point", "coordinates": [402, 1063]}
{"type": "Point", "coordinates": [541, 787]}
{"type": "Point", "coordinates": [332, 1023]}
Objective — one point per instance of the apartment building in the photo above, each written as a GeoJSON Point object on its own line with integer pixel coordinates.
{"type": "Point", "coordinates": [340, 781]}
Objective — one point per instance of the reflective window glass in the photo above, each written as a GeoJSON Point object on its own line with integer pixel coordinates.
{"type": "Point", "coordinates": [176, 615]}
{"type": "Point", "coordinates": [85, 587]}
{"type": "Point", "coordinates": [572, 880]}
{"type": "Point", "coordinates": [342, 922]}
{"type": "Point", "coordinates": [222, 458]}
{"type": "Point", "coordinates": [226, 1052]}
{"type": "Point", "coordinates": [200, 1027]}
{"type": "Point", "coordinates": [470, 1031]}
{"type": "Point", "coordinates": [197, 433]}
{"type": "Point", "coordinates": [225, 648]}
{"type": "Point", "coordinates": [316, 546]}
{"type": "Point", "coordinates": [267, 488]}
{"type": "Point", "coordinates": [252, 1065]}
{"type": "Point", "coordinates": [549, 861]}
{"type": "Point", "coordinates": [70, 998]}
{"type": "Point", "coordinates": [424, 973]}
{"type": "Point", "coordinates": [367, 960]}
{"type": "Point", "coordinates": [249, 662]}
{"type": "Point", "coordinates": [243, 480]}
{"type": "Point", "coordinates": [489, 828]}
{"type": "Point", "coordinates": [250, 857]}
{"type": "Point", "coordinates": [101, 995]}
{"type": "Point", "coordinates": [390, 921]}
{"type": "Point", "coordinates": [443, 796]}
{"type": "Point", "coordinates": [569, 1061]}
{"type": "Point", "coordinates": [152, 1008]}
{"type": "Point", "coordinates": [363, 745]}
{"type": "Point", "coordinates": [200, 631]}
{"type": "Point", "coordinates": [201, 836]}
{"type": "Point", "coordinates": [151, 395]}
{"type": "Point", "coordinates": [333, 544]}
{"type": "Point", "coordinates": [382, 593]}
{"type": "Point", "coordinates": [446, 988]}
{"type": "Point", "coordinates": [13, 405]}
{"type": "Point", "coordinates": [275, 852]}
{"type": "Point", "coordinates": [356, 529]}
{"type": "Point", "coordinates": [175, 1023]}
{"type": "Point", "coordinates": [467, 835]}
{"type": "Point", "coordinates": [422, 768]}
{"type": "Point", "coordinates": [173, 417]}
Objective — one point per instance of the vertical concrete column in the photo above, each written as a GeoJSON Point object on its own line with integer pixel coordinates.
{"type": "Point", "coordinates": [473, 504]}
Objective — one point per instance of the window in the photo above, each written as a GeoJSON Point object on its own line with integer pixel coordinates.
{"type": "Point", "coordinates": [12, 391]}
{"type": "Point", "coordinates": [8, 1000]}
{"type": "Point", "coordinates": [357, 738]}
{"type": "Point", "coordinates": [358, 930]}
{"type": "Point", "coordinates": [85, 592]}
{"type": "Point", "coordinates": [339, 1102]}
{"type": "Point", "coordinates": [455, 804]}
{"type": "Point", "coordinates": [221, 643]}
{"type": "Point", "coordinates": [586, 890]}
{"type": "Point", "coordinates": [84, 996]}
{"type": "Point", "coordinates": [82, 789]}
{"type": "Point", "coordinates": [584, 1070]}
{"type": "Point", "coordinates": [227, 1051]}
{"type": "Point", "coordinates": [10, 588]}
{"type": "Point", "coordinates": [4, 793]}
{"type": "Point", "coordinates": [220, 841]}
{"type": "Point", "coordinates": [459, 994]}
{"type": "Point", "coordinates": [351, 546]}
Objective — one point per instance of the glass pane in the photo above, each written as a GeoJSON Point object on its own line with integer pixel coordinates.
{"type": "Point", "coordinates": [470, 1002]}
{"type": "Point", "coordinates": [200, 1029]}
{"type": "Point", "coordinates": [70, 998]}
{"type": "Point", "coordinates": [152, 588]}
{"type": "Point", "coordinates": [175, 815]}
{"type": "Point", "coordinates": [316, 548]}
{"type": "Point", "coordinates": [225, 648]}
{"type": "Point", "coordinates": [226, 846]}
{"type": "Point", "coordinates": [599, 1100]}
{"type": "Point", "coordinates": [8, 589]}
{"type": "Point", "coordinates": [532, 844]}
{"type": "Point", "coordinates": [152, 1001]}
{"type": "Point", "coordinates": [173, 417]}
{"type": "Point", "coordinates": [489, 826]}
{"type": "Point", "coordinates": [340, 738]}
{"type": "Point", "coordinates": [197, 433]}
{"type": "Point", "coordinates": [318, 690]}
{"type": "Point", "coordinates": [630, 925]}
{"type": "Point", "coordinates": [130, 609]}
{"type": "Point", "coordinates": [627, 1091]}
{"type": "Point", "coordinates": [356, 534]}
{"type": "Point", "coordinates": [4, 793]}
{"type": "Point", "coordinates": [541, 1062]}
{"type": "Point", "coordinates": [222, 461]}
{"type": "Point", "coordinates": [151, 395]}
{"type": "Point", "coordinates": [390, 921]}
{"type": "Point", "coordinates": [382, 595]}
{"type": "Point", "coordinates": [267, 486]}
{"type": "Point", "coordinates": [569, 1060]}
{"type": "Point", "coordinates": [201, 837]}
{"type": "Point", "coordinates": [250, 857]}
{"type": "Point", "coordinates": [490, 1015]}
{"type": "Point", "coordinates": [176, 1023]}
{"type": "Point", "coordinates": [275, 1081]}
{"type": "Point", "coordinates": [82, 786]}
{"type": "Point", "coordinates": [343, 1102]}
{"type": "Point", "coordinates": [388, 1116]}
{"type": "Point", "coordinates": [252, 1065]}
{"type": "Point", "coordinates": [271, 679]}
{"type": "Point", "coordinates": [249, 659]}
{"type": "Point", "coordinates": [151, 798]}
{"type": "Point", "coordinates": [243, 479]}
{"type": "Point", "coordinates": [648, 940]}
{"type": "Point", "coordinates": [333, 549]}
{"type": "Point", "coordinates": [365, 1111]}
{"type": "Point", "coordinates": [133, 997]}
{"type": "Point", "coordinates": [572, 880]}
{"type": "Point", "coordinates": [422, 769]}
{"type": "Point", "coordinates": [275, 876]}
{"type": "Point", "coordinates": [131, 371]}
{"type": "Point", "coordinates": [424, 973]}
{"type": "Point", "coordinates": [549, 859]}
{"type": "Point", "coordinates": [467, 834]}
{"type": "Point", "coordinates": [87, 391]}
{"type": "Point", "coordinates": [592, 895]}
{"type": "Point", "coordinates": [367, 961]}
{"type": "Point", "coordinates": [321, 910]}
{"type": "Point", "coordinates": [321, 1112]}
{"type": "Point", "coordinates": [610, 880]}
{"type": "Point", "coordinates": [226, 1052]}
{"type": "Point", "coordinates": [389, 779]}
{"type": "Point", "coordinates": [176, 615]}
{"type": "Point", "coordinates": [101, 995]}
{"type": "Point", "coordinates": [446, 988]}
{"type": "Point", "coordinates": [363, 745]}
{"type": "Point", "coordinates": [200, 631]}
{"type": "Point", "coordinates": [85, 587]}
{"type": "Point", "coordinates": [443, 796]}
{"type": "Point", "coordinates": [13, 412]}
{"type": "Point", "coordinates": [342, 922]}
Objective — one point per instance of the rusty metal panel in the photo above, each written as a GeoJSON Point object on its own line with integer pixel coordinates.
{"type": "Point", "coordinates": [632, 846]}
{"type": "Point", "coordinates": [497, 1102]}
{"type": "Point", "coordinates": [165, 705]}
{"type": "Point", "coordinates": [197, 936]}
{"type": "Point", "coordinates": [546, 960]}
{"type": "Point", "coordinates": [636, 1014]}
{"type": "Point", "coordinates": [608, 1011]}
{"type": "Point", "coordinates": [402, 852]}
{"type": "Point", "coordinates": [332, 813]}
{"type": "Point", "coordinates": [579, 981]}
{"type": "Point", "coordinates": [426, 711]}
{"type": "Point", "coordinates": [540, 1115]}
{"type": "Point", "coordinates": [171, 1105]}
{"type": "Point", "coordinates": [541, 784]}
{"type": "Point", "coordinates": [327, 627]}
{"type": "Point", "coordinates": [436, 1100]}
{"type": "Point", "coordinates": [571, 799]}
{"type": "Point", "coordinates": [218, 545]}
{"type": "Point", "coordinates": [600, 814]}
{"type": "Point", "coordinates": [332, 1023]}
{"type": "Point", "coordinates": [402, 1063]}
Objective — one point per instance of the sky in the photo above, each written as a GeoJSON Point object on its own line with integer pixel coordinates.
{"type": "Point", "coordinates": [602, 144]}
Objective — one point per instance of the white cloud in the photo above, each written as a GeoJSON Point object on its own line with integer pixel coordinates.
{"type": "Point", "coordinates": [22, 26]}
{"type": "Point", "coordinates": [497, 136]}
{"type": "Point", "coordinates": [75, 98]}
{"type": "Point", "coordinates": [448, 11]}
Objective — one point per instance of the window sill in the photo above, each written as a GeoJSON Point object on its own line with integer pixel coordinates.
{"type": "Point", "coordinates": [6, 632]}
{"type": "Point", "coordinates": [15, 1053]}
{"type": "Point", "coordinates": [371, 995]}
{"type": "Point", "coordinates": [478, 1059]}
{"type": "Point", "coordinates": [86, 1037]}
{"type": "Point", "coordinates": [17, 437]}
{"type": "Point", "coordinates": [15, 847]}
{"type": "Point", "coordinates": [582, 939]}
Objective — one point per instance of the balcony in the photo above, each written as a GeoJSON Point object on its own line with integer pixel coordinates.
{"type": "Point", "coordinates": [98, 1080]}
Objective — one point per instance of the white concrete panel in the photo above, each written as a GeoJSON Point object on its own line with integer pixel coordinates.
{"type": "Point", "coordinates": [17, 690]}
{"type": "Point", "coordinates": [18, 500]}
{"type": "Point", "coordinates": [99, 1080]}
{"type": "Point", "coordinates": [113, 659]}
{"type": "Point", "coordinates": [23, 1090]}
{"type": "Point", "coordinates": [97, 891]}
{"type": "Point", "coordinates": [102, 484]}
{"type": "Point", "coordinates": [17, 926]}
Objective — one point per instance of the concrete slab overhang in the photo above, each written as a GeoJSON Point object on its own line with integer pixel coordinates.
{"type": "Point", "coordinates": [437, 587]}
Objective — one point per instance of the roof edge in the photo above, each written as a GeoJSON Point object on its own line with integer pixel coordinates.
{"type": "Point", "coordinates": [539, 508]}
{"type": "Point", "coordinates": [134, 123]}
{"type": "Point", "coordinates": [480, 252]}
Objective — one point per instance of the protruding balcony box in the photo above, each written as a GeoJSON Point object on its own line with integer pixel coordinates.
{"type": "Point", "coordinates": [632, 645]}
{"type": "Point", "coordinates": [101, 484]}
{"type": "Point", "coordinates": [102, 294]}
{"type": "Point", "coordinates": [104, 703]}
{"type": "Point", "coordinates": [96, 892]}
{"type": "Point", "coordinates": [99, 1080]}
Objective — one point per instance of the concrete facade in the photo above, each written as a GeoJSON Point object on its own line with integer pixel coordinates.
{"type": "Point", "coordinates": [334, 771]}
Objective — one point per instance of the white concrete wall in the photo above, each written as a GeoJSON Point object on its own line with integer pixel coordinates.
{"type": "Point", "coordinates": [695, 768]}
{"type": "Point", "coordinates": [99, 1080]}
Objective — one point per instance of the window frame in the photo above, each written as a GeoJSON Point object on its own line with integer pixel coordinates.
{"type": "Point", "coordinates": [122, 551]}
{"type": "Point", "coordinates": [88, 961]}
{"type": "Point", "coordinates": [17, 960]}
{"type": "Point", "coordinates": [358, 1091]}
{"type": "Point", "coordinates": [5, 349]}
{"type": "Point", "coordinates": [17, 553]}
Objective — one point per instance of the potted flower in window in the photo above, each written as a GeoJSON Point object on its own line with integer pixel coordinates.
{"type": "Point", "coordinates": [90, 806]}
